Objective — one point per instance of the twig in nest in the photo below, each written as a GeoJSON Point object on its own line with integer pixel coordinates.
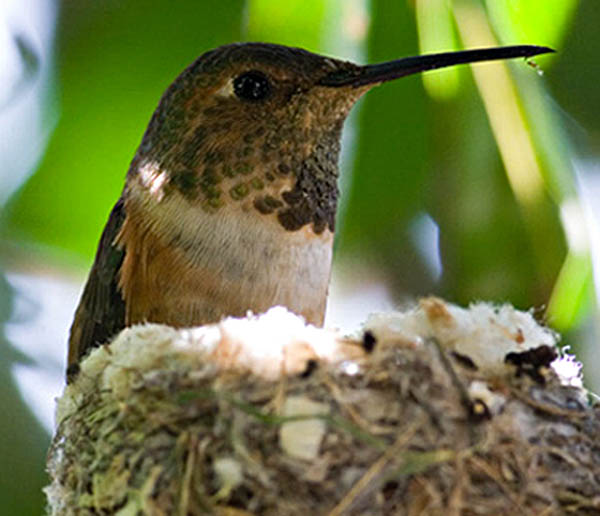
{"type": "Point", "coordinates": [455, 502]}
{"type": "Point", "coordinates": [414, 463]}
{"type": "Point", "coordinates": [187, 476]}
{"type": "Point", "coordinates": [359, 420]}
{"type": "Point", "coordinates": [553, 410]}
{"type": "Point", "coordinates": [375, 469]}
{"type": "Point", "coordinates": [485, 468]}
{"type": "Point", "coordinates": [465, 399]}
{"type": "Point", "coordinates": [578, 502]}
{"type": "Point", "coordinates": [427, 408]}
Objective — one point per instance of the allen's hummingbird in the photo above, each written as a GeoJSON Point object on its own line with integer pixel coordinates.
{"type": "Point", "coordinates": [229, 203]}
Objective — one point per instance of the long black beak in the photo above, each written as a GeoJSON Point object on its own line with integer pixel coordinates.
{"type": "Point", "coordinates": [390, 70]}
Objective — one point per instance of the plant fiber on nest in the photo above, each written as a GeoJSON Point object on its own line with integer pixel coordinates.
{"type": "Point", "coordinates": [437, 410]}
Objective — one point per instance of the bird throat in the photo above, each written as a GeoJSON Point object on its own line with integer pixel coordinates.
{"type": "Point", "coordinates": [313, 198]}
{"type": "Point", "coordinates": [292, 180]}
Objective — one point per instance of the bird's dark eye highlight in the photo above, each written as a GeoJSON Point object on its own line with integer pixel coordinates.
{"type": "Point", "coordinates": [252, 86]}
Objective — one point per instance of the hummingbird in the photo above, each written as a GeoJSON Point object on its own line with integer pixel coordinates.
{"type": "Point", "coordinates": [229, 203]}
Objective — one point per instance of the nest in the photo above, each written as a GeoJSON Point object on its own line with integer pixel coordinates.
{"type": "Point", "coordinates": [438, 410]}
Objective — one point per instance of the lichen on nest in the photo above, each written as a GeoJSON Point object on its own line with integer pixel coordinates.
{"type": "Point", "coordinates": [268, 416]}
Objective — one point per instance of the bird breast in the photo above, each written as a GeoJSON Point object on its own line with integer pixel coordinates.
{"type": "Point", "coordinates": [185, 266]}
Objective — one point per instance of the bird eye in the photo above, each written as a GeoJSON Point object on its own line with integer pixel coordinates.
{"type": "Point", "coordinates": [252, 86]}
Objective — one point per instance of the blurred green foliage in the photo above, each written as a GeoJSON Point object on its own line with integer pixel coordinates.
{"type": "Point", "coordinates": [418, 150]}
{"type": "Point", "coordinates": [547, 22]}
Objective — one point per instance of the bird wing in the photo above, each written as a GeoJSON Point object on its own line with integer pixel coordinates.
{"type": "Point", "coordinates": [101, 311]}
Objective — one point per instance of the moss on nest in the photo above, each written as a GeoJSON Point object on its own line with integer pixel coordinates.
{"type": "Point", "coordinates": [192, 422]}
